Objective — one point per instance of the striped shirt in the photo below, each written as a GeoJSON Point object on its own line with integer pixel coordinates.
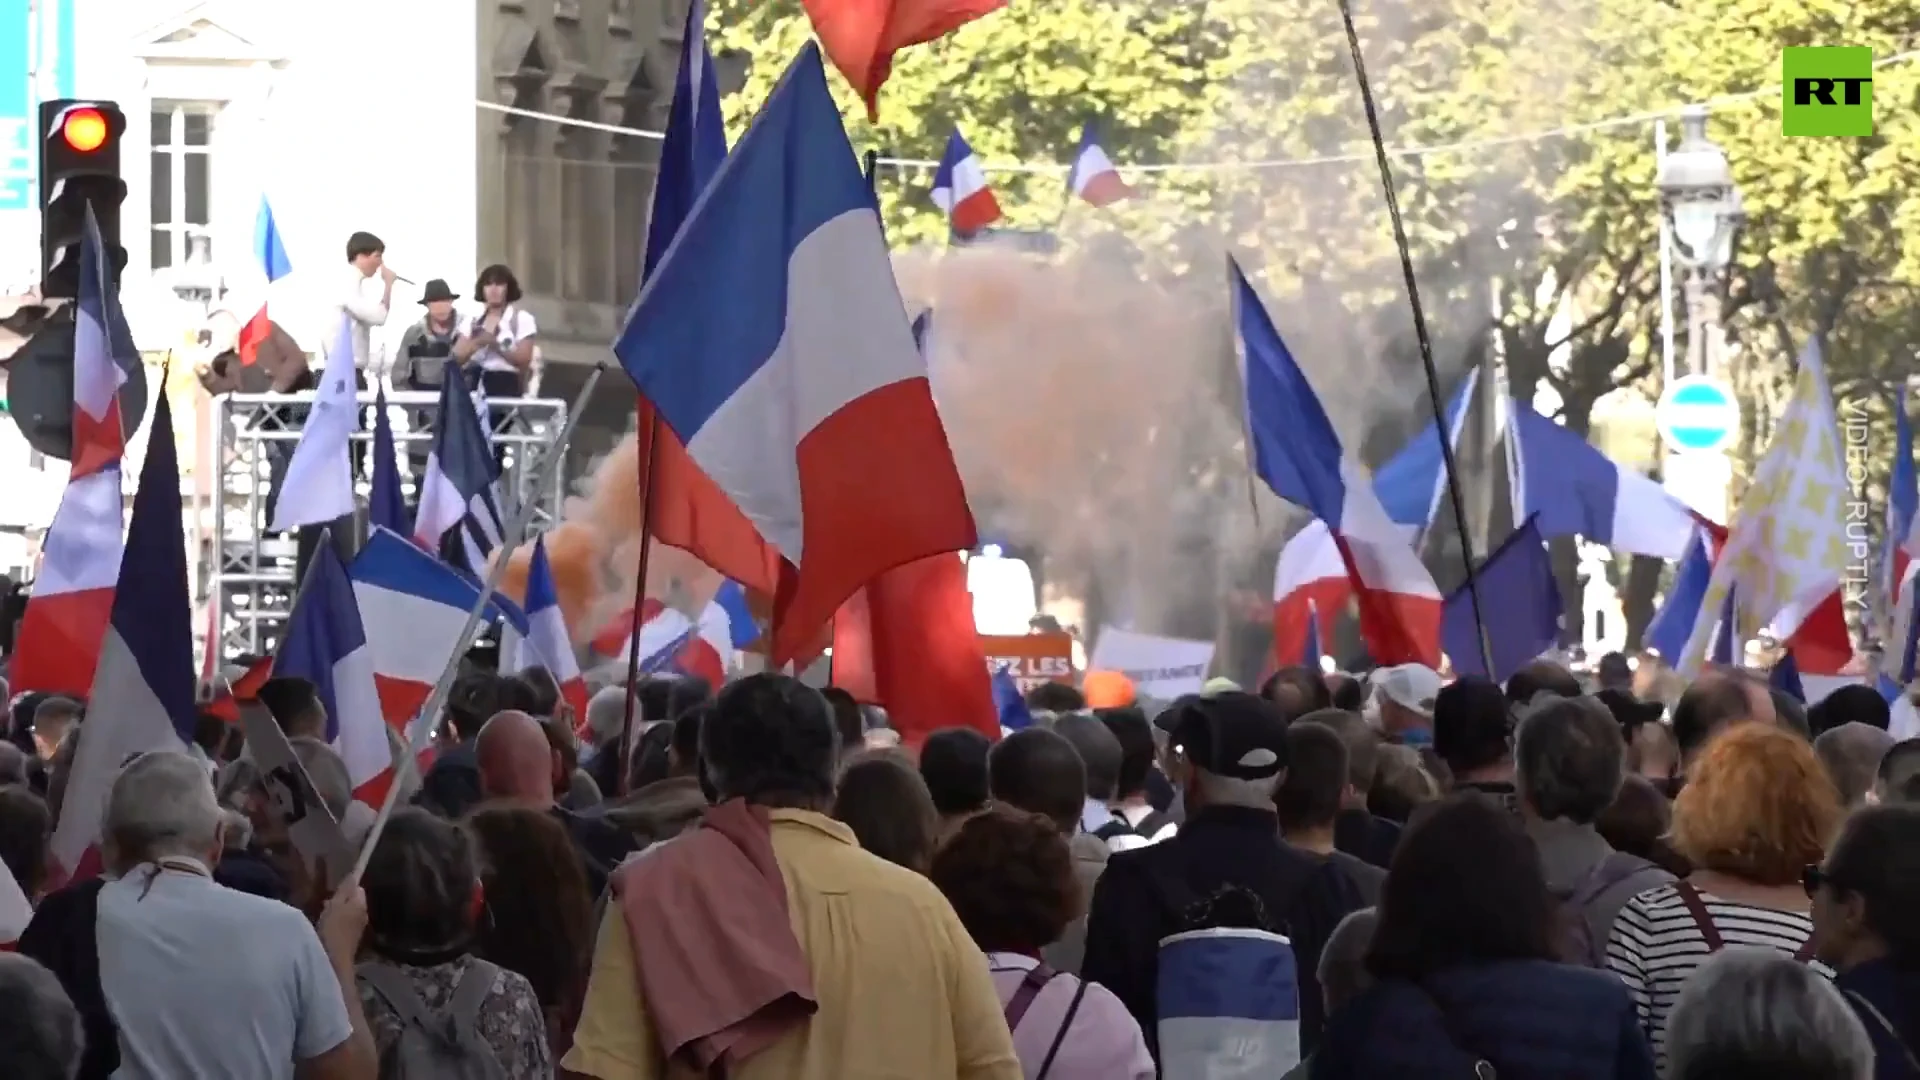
{"type": "Point", "coordinates": [1657, 943]}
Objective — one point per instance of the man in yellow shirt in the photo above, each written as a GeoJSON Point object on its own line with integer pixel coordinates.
{"type": "Point", "coordinates": [901, 991]}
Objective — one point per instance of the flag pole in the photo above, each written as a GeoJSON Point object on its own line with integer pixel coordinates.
{"type": "Point", "coordinates": [516, 528]}
{"type": "Point", "coordinates": [647, 453]}
{"type": "Point", "coordinates": [1419, 325]}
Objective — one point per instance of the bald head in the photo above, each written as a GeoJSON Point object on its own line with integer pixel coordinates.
{"type": "Point", "coordinates": [516, 760]}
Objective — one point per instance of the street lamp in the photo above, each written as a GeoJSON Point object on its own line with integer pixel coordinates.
{"type": "Point", "coordinates": [1704, 209]}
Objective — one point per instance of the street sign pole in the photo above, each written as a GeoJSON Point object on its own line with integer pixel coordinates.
{"type": "Point", "coordinates": [1699, 419]}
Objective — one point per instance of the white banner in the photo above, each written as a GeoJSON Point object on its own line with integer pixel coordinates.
{"type": "Point", "coordinates": [1162, 668]}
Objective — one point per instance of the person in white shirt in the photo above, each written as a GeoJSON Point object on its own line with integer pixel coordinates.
{"type": "Point", "coordinates": [496, 348]}
{"type": "Point", "coordinates": [366, 253]}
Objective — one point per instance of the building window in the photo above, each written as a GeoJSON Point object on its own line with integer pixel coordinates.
{"type": "Point", "coordinates": [182, 179]}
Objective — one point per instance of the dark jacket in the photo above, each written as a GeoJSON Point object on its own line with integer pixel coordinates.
{"type": "Point", "coordinates": [602, 845]}
{"type": "Point", "coordinates": [248, 871]}
{"type": "Point", "coordinates": [1149, 893]}
{"type": "Point", "coordinates": [1893, 992]}
{"type": "Point", "coordinates": [1529, 1019]}
{"type": "Point", "coordinates": [451, 786]}
{"type": "Point", "coordinates": [63, 937]}
{"type": "Point", "coordinates": [1364, 836]}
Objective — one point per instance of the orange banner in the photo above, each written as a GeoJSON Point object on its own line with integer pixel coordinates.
{"type": "Point", "coordinates": [1031, 659]}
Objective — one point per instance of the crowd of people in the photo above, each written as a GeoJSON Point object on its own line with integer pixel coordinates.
{"type": "Point", "coordinates": [1388, 877]}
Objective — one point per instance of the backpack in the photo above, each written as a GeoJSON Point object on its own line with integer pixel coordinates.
{"type": "Point", "coordinates": [1227, 997]}
{"type": "Point", "coordinates": [1034, 981]}
{"type": "Point", "coordinates": [1578, 944]}
{"type": "Point", "coordinates": [444, 1045]}
{"type": "Point", "coordinates": [1149, 826]}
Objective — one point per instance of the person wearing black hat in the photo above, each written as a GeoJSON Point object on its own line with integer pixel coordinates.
{"type": "Point", "coordinates": [421, 362]}
{"type": "Point", "coordinates": [1225, 868]}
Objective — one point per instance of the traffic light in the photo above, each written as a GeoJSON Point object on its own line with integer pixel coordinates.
{"type": "Point", "coordinates": [79, 167]}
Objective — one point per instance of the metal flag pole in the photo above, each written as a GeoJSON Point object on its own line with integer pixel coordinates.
{"type": "Point", "coordinates": [1419, 327]}
{"type": "Point", "coordinates": [648, 452]}
{"type": "Point", "coordinates": [510, 537]}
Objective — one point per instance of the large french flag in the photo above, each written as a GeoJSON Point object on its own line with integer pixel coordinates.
{"type": "Point", "coordinates": [413, 607]}
{"type": "Point", "coordinates": [60, 635]}
{"type": "Point", "coordinates": [458, 492]}
{"type": "Point", "coordinates": [670, 640]}
{"type": "Point", "coordinates": [1092, 178]}
{"type": "Point", "coordinates": [268, 265]}
{"type": "Point", "coordinates": [960, 188]}
{"type": "Point", "coordinates": [1570, 488]}
{"type": "Point", "coordinates": [861, 36]}
{"type": "Point", "coordinates": [1310, 590]}
{"type": "Point", "coordinates": [1411, 482]}
{"type": "Point", "coordinates": [773, 340]}
{"type": "Point", "coordinates": [1297, 453]}
{"type": "Point", "coordinates": [907, 642]}
{"type": "Point", "coordinates": [143, 689]}
{"type": "Point", "coordinates": [547, 643]}
{"type": "Point", "coordinates": [326, 644]}
{"type": "Point", "coordinates": [1673, 623]}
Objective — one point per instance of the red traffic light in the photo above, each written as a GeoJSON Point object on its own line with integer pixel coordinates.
{"type": "Point", "coordinates": [85, 130]}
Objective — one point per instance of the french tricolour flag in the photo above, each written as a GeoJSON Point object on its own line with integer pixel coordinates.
{"type": "Point", "coordinates": [59, 639]}
{"type": "Point", "coordinates": [1093, 178]}
{"type": "Point", "coordinates": [1410, 483]}
{"type": "Point", "coordinates": [1572, 489]}
{"type": "Point", "coordinates": [669, 640]}
{"type": "Point", "coordinates": [457, 489]}
{"type": "Point", "coordinates": [1310, 589]}
{"type": "Point", "coordinates": [143, 692]}
{"type": "Point", "coordinates": [547, 643]}
{"type": "Point", "coordinates": [773, 339]}
{"type": "Point", "coordinates": [960, 188]}
{"type": "Point", "coordinates": [268, 265]}
{"type": "Point", "coordinates": [413, 608]}
{"type": "Point", "coordinates": [326, 644]}
{"type": "Point", "coordinates": [1299, 455]}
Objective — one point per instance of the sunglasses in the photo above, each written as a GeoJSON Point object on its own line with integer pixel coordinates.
{"type": "Point", "coordinates": [1814, 877]}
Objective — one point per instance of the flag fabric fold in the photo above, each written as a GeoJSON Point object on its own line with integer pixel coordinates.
{"type": "Point", "coordinates": [1787, 541]}
{"type": "Point", "coordinates": [807, 364]}
{"type": "Point", "coordinates": [1297, 453]}
{"type": "Point", "coordinates": [547, 643]}
{"type": "Point", "coordinates": [269, 264]}
{"type": "Point", "coordinates": [326, 644]}
{"type": "Point", "coordinates": [961, 189]}
{"type": "Point", "coordinates": [1411, 483]}
{"type": "Point", "coordinates": [58, 644]}
{"type": "Point", "coordinates": [907, 642]}
{"type": "Point", "coordinates": [143, 689]}
{"type": "Point", "coordinates": [1575, 490]}
{"type": "Point", "coordinates": [1520, 601]}
{"type": "Point", "coordinates": [862, 36]}
{"type": "Point", "coordinates": [318, 486]}
{"type": "Point", "coordinates": [1310, 590]}
{"type": "Point", "coordinates": [458, 487]}
{"type": "Point", "coordinates": [386, 503]}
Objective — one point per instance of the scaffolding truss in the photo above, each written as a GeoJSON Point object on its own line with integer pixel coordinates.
{"type": "Point", "coordinates": [250, 586]}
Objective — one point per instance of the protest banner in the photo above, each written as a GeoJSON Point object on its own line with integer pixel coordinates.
{"type": "Point", "coordinates": [296, 802]}
{"type": "Point", "coordinates": [1162, 668]}
{"type": "Point", "coordinates": [1031, 659]}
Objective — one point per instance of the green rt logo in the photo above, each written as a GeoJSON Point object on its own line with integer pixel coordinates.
{"type": "Point", "coordinates": [1826, 91]}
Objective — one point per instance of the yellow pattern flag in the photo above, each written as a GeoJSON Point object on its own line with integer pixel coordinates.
{"type": "Point", "coordinates": [1788, 536]}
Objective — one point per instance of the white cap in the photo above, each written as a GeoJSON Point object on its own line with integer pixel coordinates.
{"type": "Point", "coordinates": [1410, 686]}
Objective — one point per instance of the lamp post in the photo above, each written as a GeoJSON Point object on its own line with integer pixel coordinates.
{"type": "Point", "coordinates": [1703, 208]}
{"type": "Point", "coordinates": [1703, 215]}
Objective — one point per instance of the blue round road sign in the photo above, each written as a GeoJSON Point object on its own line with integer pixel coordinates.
{"type": "Point", "coordinates": [1698, 413]}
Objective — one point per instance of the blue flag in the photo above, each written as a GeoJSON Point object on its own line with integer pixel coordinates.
{"type": "Point", "coordinates": [695, 143]}
{"type": "Point", "coordinates": [1310, 656]}
{"type": "Point", "coordinates": [1521, 603]}
{"type": "Point", "coordinates": [1785, 677]}
{"type": "Point", "coordinates": [386, 506]}
{"type": "Point", "coordinates": [1724, 644]}
{"type": "Point", "coordinates": [1014, 714]}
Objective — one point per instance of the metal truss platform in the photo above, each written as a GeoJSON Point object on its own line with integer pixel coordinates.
{"type": "Point", "coordinates": [250, 572]}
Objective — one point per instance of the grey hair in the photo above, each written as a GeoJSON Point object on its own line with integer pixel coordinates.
{"type": "Point", "coordinates": [45, 1039]}
{"type": "Point", "coordinates": [1569, 758]}
{"type": "Point", "coordinates": [1217, 790]}
{"type": "Point", "coordinates": [607, 713]}
{"type": "Point", "coordinates": [1343, 960]}
{"type": "Point", "coordinates": [1851, 753]}
{"type": "Point", "coordinates": [1099, 750]}
{"type": "Point", "coordinates": [161, 804]}
{"type": "Point", "coordinates": [1755, 1012]}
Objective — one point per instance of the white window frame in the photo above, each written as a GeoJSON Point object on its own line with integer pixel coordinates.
{"type": "Point", "coordinates": [179, 233]}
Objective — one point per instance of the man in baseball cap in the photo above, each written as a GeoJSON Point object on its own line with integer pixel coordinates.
{"type": "Point", "coordinates": [1226, 869]}
{"type": "Point", "coordinates": [1405, 693]}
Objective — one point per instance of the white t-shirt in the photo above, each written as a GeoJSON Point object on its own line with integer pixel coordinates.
{"type": "Point", "coordinates": [516, 325]}
{"type": "Point", "coordinates": [211, 983]}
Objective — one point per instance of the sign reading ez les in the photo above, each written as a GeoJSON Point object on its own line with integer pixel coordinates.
{"type": "Point", "coordinates": [1826, 91]}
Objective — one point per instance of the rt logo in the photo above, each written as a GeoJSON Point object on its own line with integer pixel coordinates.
{"type": "Point", "coordinates": [1826, 90]}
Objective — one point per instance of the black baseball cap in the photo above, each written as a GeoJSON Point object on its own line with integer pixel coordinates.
{"type": "Point", "coordinates": [1237, 735]}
